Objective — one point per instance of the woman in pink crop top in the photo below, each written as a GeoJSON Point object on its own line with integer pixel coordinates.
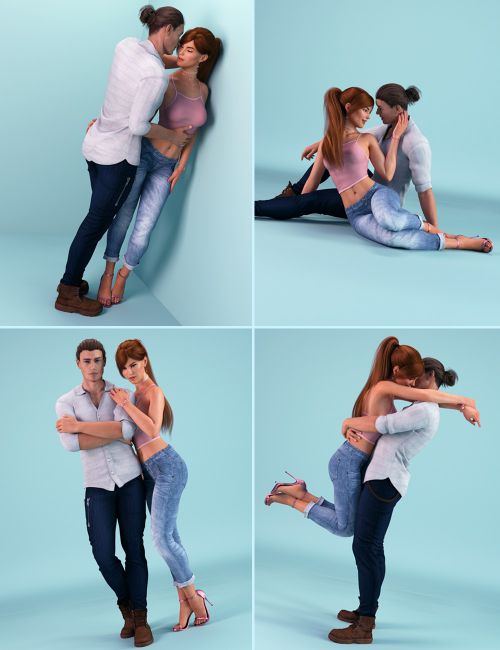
{"type": "Point", "coordinates": [373, 210]}
{"type": "Point", "coordinates": [162, 163]}
{"type": "Point", "coordinates": [394, 371]}
{"type": "Point", "coordinates": [165, 473]}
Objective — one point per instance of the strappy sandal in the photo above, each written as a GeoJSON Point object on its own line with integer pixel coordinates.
{"type": "Point", "coordinates": [178, 627]}
{"type": "Point", "coordinates": [486, 245]}
{"type": "Point", "coordinates": [105, 301]}
{"type": "Point", "coordinates": [202, 620]}
{"type": "Point", "coordinates": [118, 297]}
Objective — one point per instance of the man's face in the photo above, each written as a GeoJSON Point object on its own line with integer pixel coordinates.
{"type": "Point", "coordinates": [91, 364]}
{"type": "Point", "coordinates": [171, 37]}
{"type": "Point", "coordinates": [388, 114]}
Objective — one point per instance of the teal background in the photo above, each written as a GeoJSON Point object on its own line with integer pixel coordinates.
{"type": "Point", "coordinates": [54, 61]}
{"type": "Point", "coordinates": [52, 592]}
{"type": "Point", "coordinates": [449, 49]}
{"type": "Point", "coordinates": [442, 547]}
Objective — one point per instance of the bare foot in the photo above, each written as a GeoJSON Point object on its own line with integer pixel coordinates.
{"type": "Point", "coordinates": [119, 286]}
{"type": "Point", "coordinates": [297, 491]}
{"type": "Point", "coordinates": [480, 244]}
{"type": "Point", "coordinates": [104, 293]}
{"type": "Point", "coordinates": [184, 613]}
{"type": "Point", "coordinates": [284, 499]}
{"type": "Point", "coordinates": [199, 609]}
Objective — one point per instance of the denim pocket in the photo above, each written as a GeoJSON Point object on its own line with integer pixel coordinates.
{"type": "Point", "coordinates": [87, 512]}
{"type": "Point", "coordinates": [383, 490]}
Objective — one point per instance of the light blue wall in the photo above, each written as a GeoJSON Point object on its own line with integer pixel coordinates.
{"type": "Point", "coordinates": [206, 375]}
{"type": "Point", "coordinates": [449, 49]}
{"type": "Point", "coordinates": [199, 262]}
{"type": "Point", "coordinates": [306, 384]}
{"type": "Point", "coordinates": [54, 60]}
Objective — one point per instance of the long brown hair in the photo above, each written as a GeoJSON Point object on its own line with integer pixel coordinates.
{"type": "Point", "coordinates": [134, 349]}
{"type": "Point", "coordinates": [206, 43]}
{"type": "Point", "coordinates": [389, 354]}
{"type": "Point", "coordinates": [335, 114]}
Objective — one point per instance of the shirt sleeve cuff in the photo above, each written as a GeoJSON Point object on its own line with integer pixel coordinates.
{"type": "Point", "coordinates": [423, 187]}
{"type": "Point", "coordinates": [381, 424]}
{"type": "Point", "coordinates": [70, 441]}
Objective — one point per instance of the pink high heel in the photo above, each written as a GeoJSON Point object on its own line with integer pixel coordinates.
{"type": "Point", "coordinates": [202, 620]}
{"type": "Point", "coordinates": [277, 486]}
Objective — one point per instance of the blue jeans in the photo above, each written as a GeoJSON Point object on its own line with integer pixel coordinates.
{"type": "Point", "coordinates": [151, 186]}
{"type": "Point", "coordinates": [127, 506]}
{"type": "Point", "coordinates": [376, 503]}
{"type": "Point", "coordinates": [379, 216]}
{"type": "Point", "coordinates": [346, 469]}
{"type": "Point", "coordinates": [166, 475]}
{"type": "Point", "coordinates": [110, 187]}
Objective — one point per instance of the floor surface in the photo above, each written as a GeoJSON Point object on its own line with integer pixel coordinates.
{"type": "Point", "coordinates": [317, 271]}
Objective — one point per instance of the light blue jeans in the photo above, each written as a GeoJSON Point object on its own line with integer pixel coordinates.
{"type": "Point", "coordinates": [346, 469]}
{"type": "Point", "coordinates": [165, 476]}
{"type": "Point", "coordinates": [379, 216]}
{"type": "Point", "coordinates": [152, 188]}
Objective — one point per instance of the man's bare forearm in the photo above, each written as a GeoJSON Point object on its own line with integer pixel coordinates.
{"type": "Point", "coordinates": [428, 205]}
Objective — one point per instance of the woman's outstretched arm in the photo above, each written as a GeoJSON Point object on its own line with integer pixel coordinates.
{"type": "Point", "coordinates": [409, 394]}
{"type": "Point", "coordinates": [150, 423]}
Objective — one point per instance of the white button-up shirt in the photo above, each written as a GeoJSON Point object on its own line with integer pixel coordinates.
{"type": "Point", "coordinates": [405, 434]}
{"type": "Point", "coordinates": [103, 467]}
{"type": "Point", "coordinates": [136, 86]}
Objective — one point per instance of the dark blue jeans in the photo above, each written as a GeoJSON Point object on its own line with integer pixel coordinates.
{"type": "Point", "coordinates": [318, 202]}
{"type": "Point", "coordinates": [110, 187]}
{"type": "Point", "coordinates": [127, 506]}
{"type": "Point", "coordinates": [375, 507]}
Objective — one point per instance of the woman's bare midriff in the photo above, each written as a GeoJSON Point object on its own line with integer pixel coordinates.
{"type": "Point", "coordinates": [363, 445]}
{"type": "Point", "coordinates": [356, 192]}
{"type": "Point", "coordinates": [166, 148]}
{"type": "Point", "coordinates": [151, 448]}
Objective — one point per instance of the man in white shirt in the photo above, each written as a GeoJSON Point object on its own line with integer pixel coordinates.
{"type": "Point", "coordinates": [385, 482]}
{"type": "Point", "coordinates": [136, 86]}
{"type": "Point", "coordinates": [91, 423]}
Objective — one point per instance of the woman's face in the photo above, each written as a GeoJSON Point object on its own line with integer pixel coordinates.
{"type": "Point", "coordinates": [134, 371]}
{"type": "Point", "coordinates": [360, 116]}
{"type": "Point", "coordinates": [426, 380]}
{"type": "Point", "coordinates": [188, 56]}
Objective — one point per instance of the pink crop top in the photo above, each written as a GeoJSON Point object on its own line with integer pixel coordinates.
{"type": "Point", "coordinates": [141, 438]}
{"type": "Point", "coordinates": [354, 169]}
{"type": "Point", "coordinates": [373, 436]}
{"type": "Point", "coordinates": [183, 111]}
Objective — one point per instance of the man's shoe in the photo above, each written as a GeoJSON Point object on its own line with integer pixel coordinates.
{"type": "Point", "coordinates": [288, 191]}
{"type": "Point", "coordinates": [128, 629]}
{"type": "Point", "coordinates": [358, 632]}
{"type": "Point", "coordinates": [84, 288]}
{"type": "Point", "coordinates": [142, 634]}
{"type": "Point", "coordinates": [70, 300]}
{"type": "Point", "coordinates": [350, 616]}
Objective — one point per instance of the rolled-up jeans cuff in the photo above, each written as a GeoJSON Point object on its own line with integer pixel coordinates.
{"type": "Point", "coordinates": [422, 221]}
{"type": "Point", "coordinates": [128, 266]}
{"type": "Point", "coordinates": [441, 241]}
{"type": "Point", "coordinates": [311, 504]}
{"type": "Point", "coordinates": [185, 584]}
{"type": "Point", "coordinates": [108, 258]}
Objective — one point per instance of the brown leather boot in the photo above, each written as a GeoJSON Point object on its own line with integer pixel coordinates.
{"type": "Point", "coordinates": [128, 628]}
{"type": "Point", "coordinates": [358, 632]}
{"type": "Point", "coordinates": [350, 616]}
{"type": "Point", "coordinates": [70, 300]}
{"type": "Point", "coordinates": [288, 191]}
{"type": "Point", "coordinates": [143, 635]}
{"type": "Point", "coordinates": [84, 288]}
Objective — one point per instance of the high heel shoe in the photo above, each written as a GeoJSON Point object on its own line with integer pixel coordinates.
{"type": "Point", "coordinates": [277, 486]}
{"type": "Point", "coordinates": [202, 620]}
{"type": "Point", "coordinates": [178, 627]}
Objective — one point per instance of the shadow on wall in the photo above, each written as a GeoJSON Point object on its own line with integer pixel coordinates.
{"type": "Point", "coordinates": [169, 224]}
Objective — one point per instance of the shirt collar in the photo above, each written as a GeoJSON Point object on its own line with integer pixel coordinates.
{"type": "Point", "coordinates": [80, 390]}
{"type": "Point", "coordinates": [149, 47]}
